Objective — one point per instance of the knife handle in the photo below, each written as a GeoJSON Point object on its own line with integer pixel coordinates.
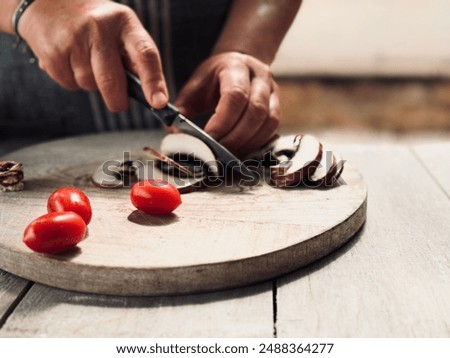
{"type": "Point", "coordinates": [166, 115]}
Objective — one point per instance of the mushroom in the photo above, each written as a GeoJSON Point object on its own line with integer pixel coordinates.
{"type": "Point", "coordinates": [11, 175]}
{"type": "Point", "coordinates": [301, 165]}
{"type": "Point", "coordinates": [164, 167]}
{"type": "Point", "coordinates": [188, 163]}
{"type": "Point", "coordinates": [339, 167]}
{"type": "Point", "coordinates": [286, 146]}
{"type": "Point", "coordinates": [186, 147]}
{"type": "Point", "coordinates": [116, 173]}
{"type": "Point", "coordinates": [184, 161]}
{"type": "Point", "coordinates": [326, 170]}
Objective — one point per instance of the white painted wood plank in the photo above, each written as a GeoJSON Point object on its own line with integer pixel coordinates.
{"type": "Point", "coordinates": [436, 158]}
{"type": "Point", "coordinates": [48, 312]}
{"type": "Point", "coordinates": [393, 280]}
{"type": "Point", "coordinates": [354, 37]}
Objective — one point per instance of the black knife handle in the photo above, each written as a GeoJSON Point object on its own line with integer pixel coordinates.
{"type": "Point", "coordinates": [166, 115]}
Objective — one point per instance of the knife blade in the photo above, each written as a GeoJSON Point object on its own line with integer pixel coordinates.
{"type": "Point", "coordinates": [171, 116]}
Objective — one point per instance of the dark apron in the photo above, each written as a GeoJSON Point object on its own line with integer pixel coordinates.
{"type": "Point", "coordinates": [31, 104]}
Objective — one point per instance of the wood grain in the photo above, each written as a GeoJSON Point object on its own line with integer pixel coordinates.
{"type": "Point", "coordinates": [393, 280]}
{"type": "Point", "coordinates": [221, 238]}
{"type": "Point", "coordinates": [49, 312]}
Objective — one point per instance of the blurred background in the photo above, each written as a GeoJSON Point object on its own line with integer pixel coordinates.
{"type": "Point", "coordinates": [361, 70]}
{"type": "Point", "coordinates": [372, 66]}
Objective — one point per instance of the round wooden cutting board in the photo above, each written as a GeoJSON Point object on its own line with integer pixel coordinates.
{"type": "Point", "coordinates": [218, 238]}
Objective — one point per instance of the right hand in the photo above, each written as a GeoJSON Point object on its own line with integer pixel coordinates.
{"type": "Point", "coordinates": [86, 44]}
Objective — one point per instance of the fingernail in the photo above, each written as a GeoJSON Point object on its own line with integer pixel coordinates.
{"type": "Point", "coordinates": [159, 100]}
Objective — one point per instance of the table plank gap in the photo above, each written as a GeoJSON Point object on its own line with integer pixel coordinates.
{"type": "Point", "coordinates": [435, 158]}
{"type": "Point", "coordinates": [274, 306]}
{"type": "Point", "coordinates": [12, 290]}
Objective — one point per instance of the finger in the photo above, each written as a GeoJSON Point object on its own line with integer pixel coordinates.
{"type": "Point", "coordinates": [234, 96]}
{"type": "Point", "coordinates": [109, 76]}
{"type": "Point", "coordinates": [269, 128]}
{"type": "Point", "coordinates": [82, 70]}
{"type": "Point", "coordinates": [144, 55]}
{"type": "Point", "coordinates": [198, 95]}
{"type": "Point", "coordinates": [275, 103]}
{"type": "Point", "coordinates": [246, 130]}
{"type": "Point", "coordinates": [61, 72]}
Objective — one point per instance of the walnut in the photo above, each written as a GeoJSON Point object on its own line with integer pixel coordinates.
{"type": "Point", "coordinates": [11, 175]}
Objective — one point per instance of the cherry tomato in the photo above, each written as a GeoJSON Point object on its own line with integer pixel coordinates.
{"type": "Point", "coordinates": [70, 199]}
{"type": "Point", "coordinates": [55, 232]}
{"type": "Point", "coordinates": [155, 197]}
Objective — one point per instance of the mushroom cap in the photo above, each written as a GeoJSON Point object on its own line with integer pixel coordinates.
{"type": "Point", "coordinates": [182, 143]}
{"type": "Point", "coordinates": [301, 165]}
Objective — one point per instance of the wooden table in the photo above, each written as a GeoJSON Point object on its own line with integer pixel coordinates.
{"type": "Point", "coordinates": [391, 280]}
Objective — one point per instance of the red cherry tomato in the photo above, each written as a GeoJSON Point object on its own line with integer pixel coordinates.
{"type": "Point", "coordinates": [155, 197]}
{"type": "Point", "coordinates": [55, 232]}
{"type": "Point", "coordinates": [70, 199]}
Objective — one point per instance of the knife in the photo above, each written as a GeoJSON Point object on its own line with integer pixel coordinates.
{"type": "Point", "coordinates": [171, 116]}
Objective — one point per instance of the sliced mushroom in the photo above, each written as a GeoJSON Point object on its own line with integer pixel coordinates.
{"type": "Point", "coordinates": [169, 162]}
{"type": "Point", "coordinates": [161, 167]}
{"type": "Point", "coordinates": [181, 143]}
{"type": "Point", "coordinates": [329, 171]}
{"type": "Point", "coordinates": [115, 173]}
{"type": "Point", "coordinates": [286, 146]}
{"type": "Point", "coordinates": [301, 165]}
{"type": "Point", "coordinates": [11, 175]}
{"type": "Point", "coordinates": [339, 167]}
{"type": "Point", "coordinates": [308, 153]}
{"type": "Point", "coordinates": [325, 170]}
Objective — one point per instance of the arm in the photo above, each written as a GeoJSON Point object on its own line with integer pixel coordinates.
{"type": "Point", "coordinates": [236, 81]}
{"type": "Point", "coordinates": [257, 27]}
{"type": "Point", "coordinates": [86, 44]}
{"type": "Point", "coordinates": [7, 8]}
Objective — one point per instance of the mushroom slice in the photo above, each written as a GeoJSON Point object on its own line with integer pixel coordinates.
{"type": "Point", "coordinates": [176, 144]}
{"type": "Point", "coordinates": [302, 165]}
{"type": "Point", "coordinates": [328, 177]}
{"type": "Point", "coordinates": [326, 169]}
{"type": "Point", "coordinates": [339, 167]}
{"type": "Point", "coordinates": [11, 175]}
{"type": "Point", "coordinates": [115, 173]}
{"type": "Point", "coordinates": [286, 146]}
{"type": "Point", "coordinates": [308, 153]}
{"type": "Point", "coordinates": [163, 167]}
{"type": "Point", "coordinates": [183, 184]}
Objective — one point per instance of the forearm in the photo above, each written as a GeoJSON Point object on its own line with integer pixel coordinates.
{"type": "Point", "coordinates": [257, 27]}
{"type": "Point", "coordinates": [7, 8]}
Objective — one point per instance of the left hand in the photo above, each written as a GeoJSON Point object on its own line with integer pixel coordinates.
{"type": "Point", "coordinates": [245, 99]}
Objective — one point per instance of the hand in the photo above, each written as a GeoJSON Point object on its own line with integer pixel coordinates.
{"type": "Point", "coordinates": [241, 90]}
{"type": "Point", "coordinates": [85, 44]}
